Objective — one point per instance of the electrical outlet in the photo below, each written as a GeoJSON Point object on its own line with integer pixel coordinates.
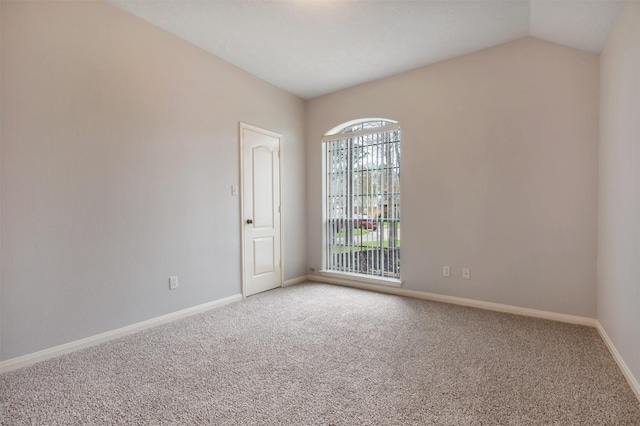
{"type": "Point", "coordinates": [446, 271]}
{"type": "Point", "coordinates": [173, 283]}
{"type": "Point", "coordinates": [466, 273]}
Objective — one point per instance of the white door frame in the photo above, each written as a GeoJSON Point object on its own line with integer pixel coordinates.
{"type": "Point", "coordinates": [241, 127]}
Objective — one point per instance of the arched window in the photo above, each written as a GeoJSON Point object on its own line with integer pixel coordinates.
{"type": "Point", "coordinates": [362, 199]}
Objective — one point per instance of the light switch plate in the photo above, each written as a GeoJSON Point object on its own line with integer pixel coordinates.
{"type": "Point", "coordinates": [173, 282]}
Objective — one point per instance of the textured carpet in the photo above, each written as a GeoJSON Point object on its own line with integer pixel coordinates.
{"type": "Point", "coordinates": [315, 354]}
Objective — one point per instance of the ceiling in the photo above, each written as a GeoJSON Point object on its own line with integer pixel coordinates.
{"type": "Point", "coordinates": [314, 47]}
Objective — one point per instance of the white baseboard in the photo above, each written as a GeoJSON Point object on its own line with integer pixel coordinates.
{"type": "Point", "coordinates": [296, 280]}
{"type": "Point", "coordinates": [32, 358]}
{"type": "Point", "coordinates": [633, 382]}
{"type": "Point", "coordinates": [571, 319]}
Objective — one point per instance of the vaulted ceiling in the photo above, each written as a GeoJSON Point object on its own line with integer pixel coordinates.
{"type": "Point", "coordinates": [314, 47]}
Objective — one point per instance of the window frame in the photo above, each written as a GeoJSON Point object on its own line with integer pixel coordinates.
{"type": "Point", "coordinates": [338, 133]}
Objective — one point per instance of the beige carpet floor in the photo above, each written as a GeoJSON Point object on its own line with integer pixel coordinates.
{"type": "Point", "coordinates": [315, 354]}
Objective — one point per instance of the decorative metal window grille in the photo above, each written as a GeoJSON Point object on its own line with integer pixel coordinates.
{"type": "Point", "coordinates": [363, 199]}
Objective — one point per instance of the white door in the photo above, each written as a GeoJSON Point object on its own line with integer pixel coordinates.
{"type": "Point", "coordinates": [262, 267]}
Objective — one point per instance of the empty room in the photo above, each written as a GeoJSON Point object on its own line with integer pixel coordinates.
{"type": "Point", "coordinates": [319, 212]}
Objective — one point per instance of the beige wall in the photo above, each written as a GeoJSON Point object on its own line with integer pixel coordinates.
{"type": "Point", "coordinates": [0, 181]}
{"type": "Point", "coordinates": [119, 149]}
{"type": "Point", "coordinates": [499, 173]}
{"type": "Point", "coordinates": [619, 195]}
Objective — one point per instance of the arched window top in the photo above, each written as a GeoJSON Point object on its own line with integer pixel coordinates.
{"type": "Point", "coordinates": [361, 125]}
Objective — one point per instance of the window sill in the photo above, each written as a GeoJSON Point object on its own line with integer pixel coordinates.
{"type": "Point", "coordinates": [389, 282]}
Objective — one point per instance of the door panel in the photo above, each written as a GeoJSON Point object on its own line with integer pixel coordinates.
{"type": "Point", "coordinates": [263, 256]}
{"type": "Point", "coordinates": [262, 267]}
{"type": "Point", "coordinates": [263, 201]}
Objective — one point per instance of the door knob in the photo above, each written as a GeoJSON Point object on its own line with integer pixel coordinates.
{"type": "Point", "coordinates": [249, 221]}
